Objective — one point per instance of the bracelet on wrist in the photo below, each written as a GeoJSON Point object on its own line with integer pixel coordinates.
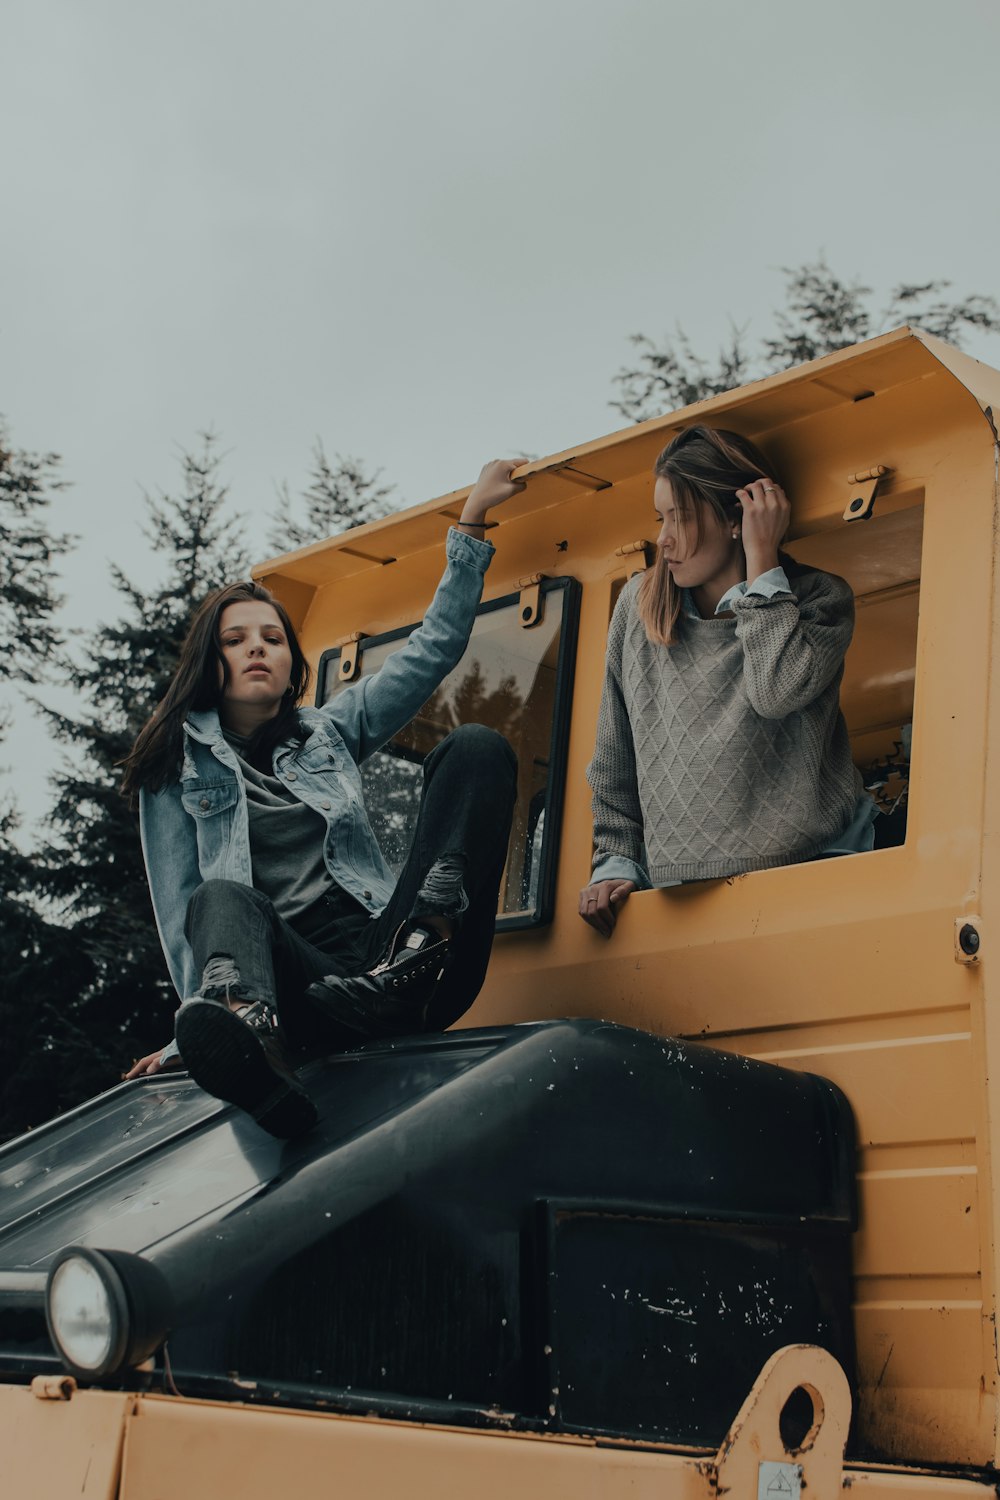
{"type": "Point", "coordinates": [479, 525]}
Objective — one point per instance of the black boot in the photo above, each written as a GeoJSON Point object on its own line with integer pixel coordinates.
{"type": "Point", "coordinates": [392, 998]}
{"type": "Point", "coordinates": [241, 1057]}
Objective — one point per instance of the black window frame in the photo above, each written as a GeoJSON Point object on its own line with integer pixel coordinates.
{"type": "Point", "coordinates": [571, 592]}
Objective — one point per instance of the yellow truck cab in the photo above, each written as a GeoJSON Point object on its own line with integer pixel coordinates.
{"type": "Point", "coordinates": [865, 979]}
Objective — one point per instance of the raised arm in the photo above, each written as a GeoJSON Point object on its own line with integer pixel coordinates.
{"type": "Point", "coordinates": [370, 711]}
{"type": "Point", "coordinates": [793, 647]}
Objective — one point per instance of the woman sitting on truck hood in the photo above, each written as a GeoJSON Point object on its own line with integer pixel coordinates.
{"type": "Point", "coordinates": [721, 747]}
{"type": "Point", "coordinates": [279, 918]}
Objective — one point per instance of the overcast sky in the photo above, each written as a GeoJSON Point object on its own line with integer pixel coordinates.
{"type": "Point", "coordinates": [422, 230]}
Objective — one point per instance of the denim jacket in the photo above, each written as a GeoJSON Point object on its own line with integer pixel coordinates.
{"type": "Point", "coordinates": [197, 828]}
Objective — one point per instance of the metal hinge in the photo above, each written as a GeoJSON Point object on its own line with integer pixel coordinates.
{"type": "Point", "coordinates": [863, 486]}
{"type": "Point", "coordinates": [529, 604]}
{"type": "Point", "coordinates": [347, 667]}
{"type": "Point", "coordinates": [53, 1387]}
{"type": "Point", "coordinates": [646, 551]}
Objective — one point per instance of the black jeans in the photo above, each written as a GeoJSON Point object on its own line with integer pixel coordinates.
{"type": "Point", "coordinates": [453, 869]}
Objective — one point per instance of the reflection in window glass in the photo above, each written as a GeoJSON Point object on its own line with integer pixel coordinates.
{"type": "Point", "coordinates": [508, 679]}
{"type": "Point", "coordinates": [881, 560]}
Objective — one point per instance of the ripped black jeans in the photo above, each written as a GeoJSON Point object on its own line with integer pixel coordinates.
{"type": "Point", "coordinates": [243, 948]}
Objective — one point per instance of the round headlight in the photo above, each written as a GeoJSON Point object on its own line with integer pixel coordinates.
{"type": "Point", "coordinates": [105, 1309]}
{"type": "Point", "coordinates": [87, 1313]}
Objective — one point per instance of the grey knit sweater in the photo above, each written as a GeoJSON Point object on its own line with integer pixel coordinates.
{"type": "Point", "coordinates": [726, 751]}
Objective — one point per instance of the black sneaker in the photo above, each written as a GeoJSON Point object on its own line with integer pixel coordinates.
{"type": "Point", "coordinates": [392, 998]}
{"type": "Point", "coordinates": [241, 1058]}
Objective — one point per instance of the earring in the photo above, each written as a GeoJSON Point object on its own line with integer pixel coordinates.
{"type": "Point", "coordinates": [736, 536]}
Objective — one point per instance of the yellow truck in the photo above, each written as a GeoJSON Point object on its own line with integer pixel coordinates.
{"type": "Point", "coordinates": [728, 1229]}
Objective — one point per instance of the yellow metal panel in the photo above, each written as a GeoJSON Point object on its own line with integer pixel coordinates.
{"type": "Point", "coordinates": [194, 1451]}
{"type": "Point", "coordinates": [51, 1450]}
{"type": "Point", "coordinates": [931, 1076]}
{"type": "Point", "coordinates": [918, 1251]}
{"type": "Point", "coordinates": [986, 1023]}
{"type": "Point", "coordinates": [176, 1449]}
{"type": "Point", "coordinates": [702, 960]}
{"type": "Point", "coordinates": [184, 1450]}
{"type": "Point", "coordinates": [915, 1396]}
{"type": "Point", "coordinates": [873, 1484]}
{"type": "Point", "coordinates": [982, 381]}
{"type": "Point", "coordinates": [918, 1222]}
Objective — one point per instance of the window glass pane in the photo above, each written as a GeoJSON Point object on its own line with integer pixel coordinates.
{"type": "Point", "coordinates": [880, 558]}
{"type": "Point", "coordinates": [514, 680]}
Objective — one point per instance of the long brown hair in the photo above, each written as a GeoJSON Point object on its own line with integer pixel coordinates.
{"type": "Point", "coordinates": [201, 676]}
{"type": "Point", "coordinates": [705, 466]}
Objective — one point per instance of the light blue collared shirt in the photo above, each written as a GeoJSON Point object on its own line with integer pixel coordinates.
{"type": "Point", "coordinates": [859, 835]}
{"type": "Point", "coordinates": [774, 581]}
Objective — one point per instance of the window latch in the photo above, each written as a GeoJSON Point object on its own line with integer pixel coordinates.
{"type": "Point", "coordinates": [529, 604]}
{"type": "Point", "coordinates": [347, 667]}
{"type": "Point", "coordinates": [863, 486]}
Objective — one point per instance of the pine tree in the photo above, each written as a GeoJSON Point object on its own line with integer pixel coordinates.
{"type": "Point", "coordinates": [46, 1062]}
{"type": "Point", "coordinates": [35, 959]}
{"type": "Point", "coordinates": [121, 1004]}
{"type": "Point", "coordinates": [821, 314]}
{"type": "Point", "coordinates": [28, 601]}
{"type": "Point", "coordinates": [339, 496]}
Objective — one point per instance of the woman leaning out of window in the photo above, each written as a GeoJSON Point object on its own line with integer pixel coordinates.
{"type": "Point", "coordinates": [721, 747]}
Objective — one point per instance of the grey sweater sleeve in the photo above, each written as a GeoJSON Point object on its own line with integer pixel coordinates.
{"type": "Point", "coordinates": [612, 776]}
{"type": "Point", "coordinates": [794, 643]}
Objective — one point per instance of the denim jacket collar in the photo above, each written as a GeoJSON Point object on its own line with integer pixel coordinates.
{"type": "Point", "coordinates": [203, 724]}
{"type": "Point", "coordinates": [204, 727]}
